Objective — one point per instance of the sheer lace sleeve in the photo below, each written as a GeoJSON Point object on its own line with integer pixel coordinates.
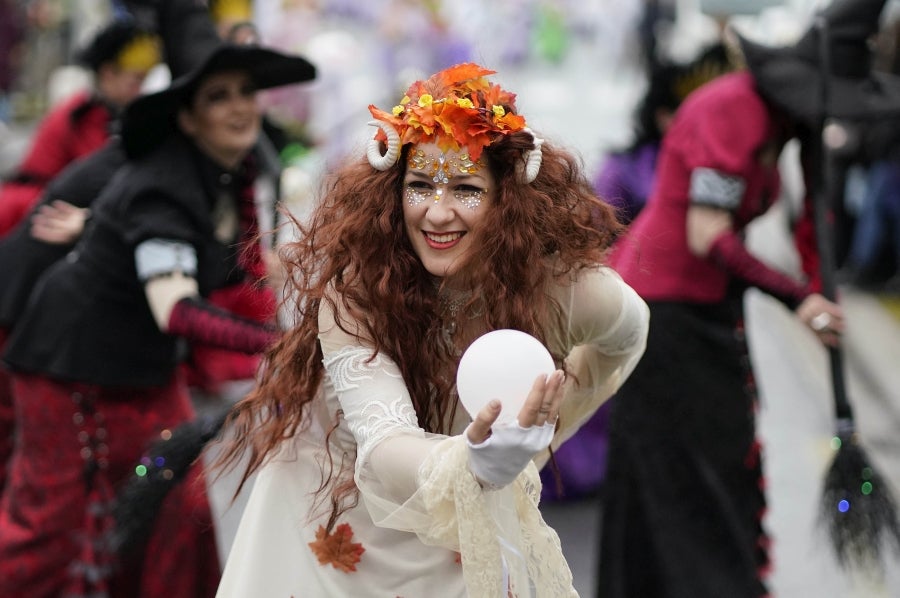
{"type": "Point", "coordinates": [390, 445]}
{"type": "Point", "coordinates": [418, 482]}
{"type": "Point", "coordinates": [604, 337]}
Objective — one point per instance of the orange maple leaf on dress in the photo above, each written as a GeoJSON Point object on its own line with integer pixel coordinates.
{"type": "Point", "coordinates": [336, 548]}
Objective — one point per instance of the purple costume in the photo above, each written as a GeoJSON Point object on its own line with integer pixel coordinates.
{"type": "Point", "coordinates": [626, 179]}
{"type": "Point", "coordinates": [625, 182]}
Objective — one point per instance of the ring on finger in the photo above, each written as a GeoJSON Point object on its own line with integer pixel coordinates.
{"type": "Point", "coordinates": [821, 322]}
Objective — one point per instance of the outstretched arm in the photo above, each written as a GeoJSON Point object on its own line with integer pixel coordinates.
{"type": "Point", "coordinates": [168, 269]}
{"type": "Point", "coordinates": [711, 236]}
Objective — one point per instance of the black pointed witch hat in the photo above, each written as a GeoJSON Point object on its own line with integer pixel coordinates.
{"type": "Point", "coordinates": [790, 77]}
{"type": "Point", "coordinates": [193, 50]}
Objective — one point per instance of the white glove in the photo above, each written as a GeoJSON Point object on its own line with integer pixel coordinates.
{"type": "Point", "coordinates": [498, 460]}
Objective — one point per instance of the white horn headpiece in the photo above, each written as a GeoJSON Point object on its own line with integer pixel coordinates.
{"type": "Point", "coordinates": [532, 160]}
{"type": "Point", "coordinates": [373, 150]}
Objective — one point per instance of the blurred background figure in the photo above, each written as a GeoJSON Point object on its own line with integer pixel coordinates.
{"type": "Point", "coordinates": [873, 258]}
{"type": "Point", "coordinates": [625, 181]}
{"type": "Point", "coordinates": [657, 19]}
{"type": "Point", "coordinates": [626, 177]}
{"type": "Point", "coordinates": [685, 495]}
{"type": "Point", "coordinates": [119, 57]}
{"type": "Point", "coordinates": [12, 32]}
{"type": "Point", "coordinates": [232, 15]}
{"type": "Point", "coordinates": [872, 199]}
{"type": "Point", "coordinates": [96, 355]}
{"type": "Point", "coordinates": [44, 237]}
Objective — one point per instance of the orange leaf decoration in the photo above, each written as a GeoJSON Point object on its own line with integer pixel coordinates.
{"type": "Point", "coordinates": [336, 548]}
{"type": "Point", "coordinates": [455, 108]}
{"type": "Point", "coordinates": [453, 75]}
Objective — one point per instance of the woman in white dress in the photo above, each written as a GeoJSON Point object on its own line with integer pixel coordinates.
{"type": "Point", "coordinates": [372, 480]}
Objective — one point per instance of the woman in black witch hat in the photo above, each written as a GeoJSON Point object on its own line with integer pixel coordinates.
{"type": "Point", "coordinates": [684, 493]}
{"type": "Point", "coordinates": [94, 357]}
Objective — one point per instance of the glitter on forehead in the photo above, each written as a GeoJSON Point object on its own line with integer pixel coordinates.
{"type": "Point", "coordinates": [442, 167]}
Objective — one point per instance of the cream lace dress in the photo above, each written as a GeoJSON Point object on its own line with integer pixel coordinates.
{"type": "Point", "coordinates": [423, 527]}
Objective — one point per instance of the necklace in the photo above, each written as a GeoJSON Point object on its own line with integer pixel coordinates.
{"type": "Point", "coordinates": [450, 302]}
{"type": "Point", "coordinates": [452, 306]}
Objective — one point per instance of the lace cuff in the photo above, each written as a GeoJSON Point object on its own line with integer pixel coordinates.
{"type": "Point", "coordinates": [496, 533]}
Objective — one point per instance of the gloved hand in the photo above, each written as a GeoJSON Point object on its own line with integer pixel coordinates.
{"type": "Point", "coordinates": [497, 454]}
{"type": "Point", "coordinates": [498, 460]}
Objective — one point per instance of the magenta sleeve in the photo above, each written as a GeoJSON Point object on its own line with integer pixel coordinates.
{"type": "Point", "coordinates": [729, 252]}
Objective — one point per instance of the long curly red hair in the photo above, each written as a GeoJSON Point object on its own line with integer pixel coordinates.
{"type": "Point", "coordinates": [355, 247]}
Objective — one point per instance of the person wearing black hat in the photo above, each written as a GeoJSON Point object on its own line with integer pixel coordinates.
{"type": "Point", "coordinates": [626, 177]}
{"type": "Point", "coordinates": [119, 57]}
{"type": "Point", "coordinates": [684, 492]}
{"type": "Point", "coordinates": [865, 100]}
{"type": "Point", "coordinates": [95, 355]}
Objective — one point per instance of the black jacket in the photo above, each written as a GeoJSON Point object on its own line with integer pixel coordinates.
{"type": "Point", "coordinates": [88, 319]}
{"type": "Point", "coordinates": [23, 258]}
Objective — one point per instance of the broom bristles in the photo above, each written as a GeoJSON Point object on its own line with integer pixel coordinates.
{"type": "Point", "coordinates": [163, 466]}
{"type": "Point", "coordinates": [858, 508]}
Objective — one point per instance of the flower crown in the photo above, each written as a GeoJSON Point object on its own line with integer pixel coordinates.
{"type": "Point", "coordinates": [454, 108]}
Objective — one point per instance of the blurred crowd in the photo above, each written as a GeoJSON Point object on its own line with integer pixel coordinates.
{"type": "Point", "coordinates": [361, 45]}
{"type": "Point", "coordinates": [70, 70]}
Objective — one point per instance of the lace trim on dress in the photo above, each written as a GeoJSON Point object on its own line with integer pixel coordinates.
{"type": "Point", "coordinates": [461, 517]}
{"type": "Point", "coordinates": [370, 420]}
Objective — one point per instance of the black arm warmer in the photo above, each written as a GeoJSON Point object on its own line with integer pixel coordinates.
{"type": "Point", "coordinates": [201, 322]}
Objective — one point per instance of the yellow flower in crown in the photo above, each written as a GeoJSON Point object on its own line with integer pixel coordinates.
{"type": "Point", "coordinates": [455, 108]}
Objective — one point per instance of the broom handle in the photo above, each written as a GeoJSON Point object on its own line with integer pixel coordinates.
{"type": "Point", "coordinates": [823, 211]}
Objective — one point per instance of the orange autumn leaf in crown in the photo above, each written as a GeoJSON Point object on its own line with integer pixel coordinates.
{"type": "Point", "coordinates": [455, 108]}
{"type": "Point", "coordinates": [337, 549]}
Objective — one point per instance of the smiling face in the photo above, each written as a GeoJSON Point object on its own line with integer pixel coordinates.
{"type": "Point", "coordinates": [445, 197]}
{"type": "Point", "coordinates": [223, 117]}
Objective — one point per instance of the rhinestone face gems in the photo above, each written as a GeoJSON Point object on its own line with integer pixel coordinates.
{"type": "Point", "coordinates": [470, 199]}
{"type": "Point", "coordinates": [441, 169]}
{"type": "Point", "coordinates": [445, 195]}
{"type": "Point", "coordinates": [415, 194]}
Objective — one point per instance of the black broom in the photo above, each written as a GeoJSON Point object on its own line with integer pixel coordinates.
{"type": "Point", "coordinates": [857, 506]}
